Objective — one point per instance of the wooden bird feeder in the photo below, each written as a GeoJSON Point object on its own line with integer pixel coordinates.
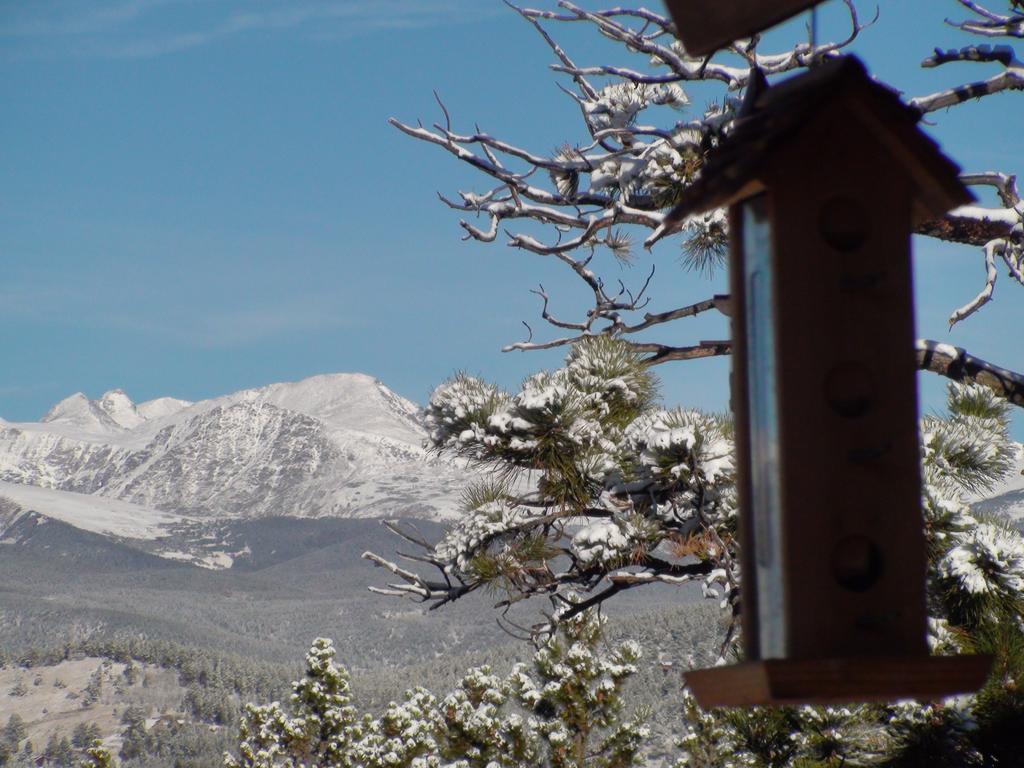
{"type": "Point", "coordinates": [704, 26]}
{"type": "Point", "coordinates": [825, 175]}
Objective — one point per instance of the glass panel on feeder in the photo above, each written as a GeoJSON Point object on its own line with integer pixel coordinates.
{"type": "Point", "coordinates": [764, 427]}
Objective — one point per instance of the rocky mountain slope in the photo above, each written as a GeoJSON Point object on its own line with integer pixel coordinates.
{"type": "Point", "coordinates": [339, 445]}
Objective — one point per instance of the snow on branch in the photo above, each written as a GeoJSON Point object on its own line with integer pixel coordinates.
{"type": "Point", "coordinates": [990, 24]}
{"type": "Point", "coordinates": [987, 24]}
{"type": "Point", "coordinates": [1000, 229]}
{"type": "Point", "coordinates": [956, 364]}
{"type": "Point", "coordinates": [985, 295]}
{"type": "Point", "coordinates": [973, 224]}
{"type": "Point", "coordinates": [1011, 78]}
{"type": "Point", "coordinates": [594, 489]}
{"type": "Point", "coordinates": [1003, 54]}
{"type": "Point", "coordinates": [663, 49]}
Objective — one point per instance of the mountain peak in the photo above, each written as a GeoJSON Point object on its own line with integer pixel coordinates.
{"type": "Point", "coordinates": [79, 411]}
{"type": "Point", "coordinates": [161, 407]}
{"type": "Point", "coordinates": [347, 401]}
{"type": "Point", "coordinates": [70, 403]}
{"type": "Point", "coordinates": [119, 407]}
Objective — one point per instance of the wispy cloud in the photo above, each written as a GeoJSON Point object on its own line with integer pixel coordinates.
{"type": "Point", "coordinates": [71, 18]}
{"type": "Point", "coordinates": [150, 28]}
{"type": "Point", "coordinates": [249, 326]}
{"type": "Point", "coordinates": [25, 389]}
{"type": "Point", "coordinates": [226, 327]}
{"type": "Point", "coordinates": [154, 314]}
{"type": "Point", "coordinates": [34, 302]}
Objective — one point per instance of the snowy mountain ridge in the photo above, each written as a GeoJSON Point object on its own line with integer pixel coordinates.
{"type": "Point", "coordinates": [167, 473]}
{"type": "Point", "coordinates": [331, 445]}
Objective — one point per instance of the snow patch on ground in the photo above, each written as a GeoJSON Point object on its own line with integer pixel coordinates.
{"type": "Point", "coordinates": [97, 514]}
{"type": "Point", "coordinates": [1007, 498]}
{"type": "Point", "coordinates": [215, 561]}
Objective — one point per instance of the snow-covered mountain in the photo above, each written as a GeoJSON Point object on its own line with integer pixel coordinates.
{"type": "Point", "coordinates": [334, 445]}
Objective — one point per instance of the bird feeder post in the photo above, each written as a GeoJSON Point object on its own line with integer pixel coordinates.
{"type": "Point", "coordinates": [824, 176]}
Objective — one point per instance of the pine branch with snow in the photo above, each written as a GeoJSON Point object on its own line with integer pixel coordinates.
{"type": "Point", "coordinates": [593, 484]}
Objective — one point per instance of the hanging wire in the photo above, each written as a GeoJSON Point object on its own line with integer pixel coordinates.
{"type": "Point", "coordinates": [812, 32]}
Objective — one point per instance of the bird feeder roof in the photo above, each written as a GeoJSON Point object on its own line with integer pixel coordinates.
{"type": "Point", "coordinates": [777, 115]}
{"type": "Point", "coordinates": [706, 25]}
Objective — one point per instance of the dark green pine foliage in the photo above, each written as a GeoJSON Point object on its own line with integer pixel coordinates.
{"type": "Point", "coordinates": [15, 730]}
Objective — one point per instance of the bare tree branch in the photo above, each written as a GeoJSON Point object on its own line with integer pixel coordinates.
{"type": "Point", "coordinates": [1011, 78]}
{"type": "Point", "coordinates": [985, 295]}
{"type": "Point", "coordinates": [554, 321]}
{"type": "Point", "coordinates": [1004, 184]}
{"type": "Point", "coordinates": [990, 24]}
{"type": "Point", "coordinates": [1003, 54]}
{"type": "Point", "coordinates": [663, 353]}
{"type": "Point", "coordinates": [651, 320]}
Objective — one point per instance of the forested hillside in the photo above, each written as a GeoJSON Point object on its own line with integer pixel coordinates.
{"type": "Point", "coordinates": [157, 703]}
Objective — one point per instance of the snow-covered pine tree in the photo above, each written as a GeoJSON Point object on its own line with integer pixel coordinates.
{"type": "Point", "coordinates": [594, 489]}
{"type": "Point", "coordinates": [320, 730]}
{"type": "Point", "coordinates": [574, 695]}
{"type": "Point", "coordinates": [565, 710]}
{"type": "Point", "coordinates": [404, 735]}
{"type": "Point", "coordinates": [97, 756]}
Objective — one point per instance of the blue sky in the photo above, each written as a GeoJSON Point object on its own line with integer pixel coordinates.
{"type": "Point", "coordinates": [198, 196]}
